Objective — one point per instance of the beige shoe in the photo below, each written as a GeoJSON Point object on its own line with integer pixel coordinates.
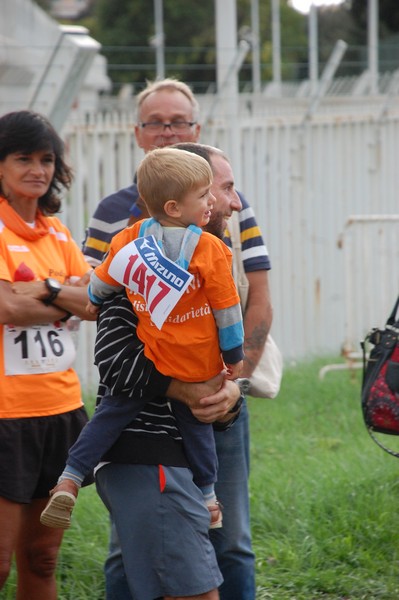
{"type": "Point", "coordinates": [58, 511]}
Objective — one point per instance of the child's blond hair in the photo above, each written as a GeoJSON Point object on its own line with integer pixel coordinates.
{"type": "Point", "coordinates": [169, 174]}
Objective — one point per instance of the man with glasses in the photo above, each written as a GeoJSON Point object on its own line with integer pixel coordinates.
{"type": "Point", "coordinates": [168, 114]}
{"type": "Point", "coordinates": [175, 127]}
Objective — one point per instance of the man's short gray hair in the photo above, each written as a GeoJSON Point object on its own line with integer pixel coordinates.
{"type": "Point", "coordinates": [170, 84]}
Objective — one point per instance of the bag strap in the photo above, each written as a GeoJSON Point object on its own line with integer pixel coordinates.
{"type": "Point", "coordinates": [239, 275]}
{"type": "Point", "coordinates": [392, 316]}
{"type": "Point", "coordinates": [380, 444]}
{"type": "Point", "coordinates": [390, 324]}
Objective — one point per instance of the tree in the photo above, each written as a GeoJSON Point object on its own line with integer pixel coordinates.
{"type": "Point", "coordinates": [125, 29]}
{"type": "Point", "coordinates": [336, 23]}
{"type": "Point", "coordinates": [388, 14]}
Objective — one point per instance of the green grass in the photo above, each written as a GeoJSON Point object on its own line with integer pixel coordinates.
{"type": "Point", "coordinates": [324, 496]}
{"type": "Point", "coordinates": [324, 501]}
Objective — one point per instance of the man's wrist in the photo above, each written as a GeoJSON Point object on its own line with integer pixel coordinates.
{"type": "Point", "coordinates": [54, 287]}
{"type": "Point", "coordinates": [179, 390]}
{"type": "Point", "coordinates": [238, 404]}
{"type": "Point", "coordinates": [244, 386]}
{"type": "Point", "coordinates": [190, 393]}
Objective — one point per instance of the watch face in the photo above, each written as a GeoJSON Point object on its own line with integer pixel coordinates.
{"type": "Point", "coordinates": [53, 284]}
{"type": "Point", "coordinates": [54, 287]}
{"type": "Point", "coordinates": [244, 384]}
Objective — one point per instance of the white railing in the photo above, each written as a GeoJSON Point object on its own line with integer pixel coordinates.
{"type": "Point", "coordinates": [371, 250]}
{"type": "Point", "coordinates": [370, 245]}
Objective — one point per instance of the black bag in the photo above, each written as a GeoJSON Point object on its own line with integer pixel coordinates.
{"type": "Point", "coordinates": [380, 386]}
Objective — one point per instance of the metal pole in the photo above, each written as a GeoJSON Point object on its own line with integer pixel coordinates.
{"type": "Point", "coordinates": [276, 43]}
{"type": "Point", "coordinates": [159, 39]}
{"type": "Point", "coordinates": [313, 49]}
{"type": "Point", "coordinates": [227, 77]}
{"type": "Point", "coordinates": [256, 71]}
{"type": "Point", "coordinates": [373, 45]}
{"type": "Point", "coordinates": [226, 42]}
{"type": "Point", "coordinates": [242, 50]}
{"type": "Point", "coordinates": [327, 76]}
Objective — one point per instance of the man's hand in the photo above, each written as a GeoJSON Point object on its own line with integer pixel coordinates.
{"type": "Point", "coordinates": [234, 370]}
{"type": "Point", "coordinates": [192, 393]}
{"type": "Point", "coordinates": [34, 289]}
{"type": "Point", "coordinates": [216, 407]}
{"type": "Point", "coordinates": [210, 400]}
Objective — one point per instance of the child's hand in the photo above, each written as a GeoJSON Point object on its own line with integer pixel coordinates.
{"type": "Point", "coordinates": [234, 371]}
{"type": "Point", "coordinates": [93, 309]}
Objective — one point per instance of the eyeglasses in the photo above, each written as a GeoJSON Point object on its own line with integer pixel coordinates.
{"type": "Point", "coordinates": [175, 126]}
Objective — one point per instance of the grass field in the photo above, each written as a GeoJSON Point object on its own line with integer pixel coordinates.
{"type": "Point", "coordinates": [324, 496]}
{"type": "Point", "coordinates": [324, 501]}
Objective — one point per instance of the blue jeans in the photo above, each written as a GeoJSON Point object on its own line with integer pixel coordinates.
{"type": "Point", "coordinates": [232, 542]}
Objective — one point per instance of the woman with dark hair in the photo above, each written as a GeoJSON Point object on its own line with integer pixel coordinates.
{"type": "Point", "coordinates": [41, 410]}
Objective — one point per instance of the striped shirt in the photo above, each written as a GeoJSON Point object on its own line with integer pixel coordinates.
{"type": "Point", "coordinates": [110, 217]}
{"type": "Point", "coordinates": [253, 249]}
{"type": "Point", "coordinates": [152, 437]}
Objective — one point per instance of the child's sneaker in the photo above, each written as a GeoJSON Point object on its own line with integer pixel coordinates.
{"type": "Point", "coordinates": [59, 508]}
{"type": "Point", "coordinates": [216, 515]}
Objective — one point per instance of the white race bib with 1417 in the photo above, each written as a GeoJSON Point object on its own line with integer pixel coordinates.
{"type": "Point", "coordinates": [141, 267]}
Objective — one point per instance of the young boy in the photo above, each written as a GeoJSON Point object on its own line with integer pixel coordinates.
{"type": "Point", "coordinates": [179, 281]}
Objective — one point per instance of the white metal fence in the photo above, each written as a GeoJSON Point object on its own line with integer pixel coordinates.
{"type": "Point", "coordinates": [303, 179]}
{"type": "Point", "coordinates": [371, 249]}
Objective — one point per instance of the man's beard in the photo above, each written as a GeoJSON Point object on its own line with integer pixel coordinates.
{"type": "Point", "coordinates": [216, 225]}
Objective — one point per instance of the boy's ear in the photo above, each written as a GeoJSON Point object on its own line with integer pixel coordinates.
{"type": "Point", "coordinates": [172, 208]}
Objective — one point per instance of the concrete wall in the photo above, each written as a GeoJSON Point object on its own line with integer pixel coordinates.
{"type": "Point", "coordinates": [45, 66]}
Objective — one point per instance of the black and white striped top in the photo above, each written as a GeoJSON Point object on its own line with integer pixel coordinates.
{"type": "Point", "coordinates": [152, 437]}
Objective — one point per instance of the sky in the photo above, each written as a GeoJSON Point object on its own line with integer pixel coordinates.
{"type": "Point", "coordinates": [304, 5]}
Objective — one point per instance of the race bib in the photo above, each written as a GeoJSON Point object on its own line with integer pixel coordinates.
{"type": "Point", "coordinates": [141, 267]}
{"type": "Point", "coordinates": [43, 348]}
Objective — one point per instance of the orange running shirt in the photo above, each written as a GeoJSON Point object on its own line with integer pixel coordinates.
{"type": "Point", "coordinates": [53, 254]}
{"type": "Point", "coordinates": [187, 346]}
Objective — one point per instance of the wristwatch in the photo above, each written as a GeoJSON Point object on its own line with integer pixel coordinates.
{"type": "Point", "coordinates": [244, 384]}
{"type": "Point", "coordinates": [54, 287]}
